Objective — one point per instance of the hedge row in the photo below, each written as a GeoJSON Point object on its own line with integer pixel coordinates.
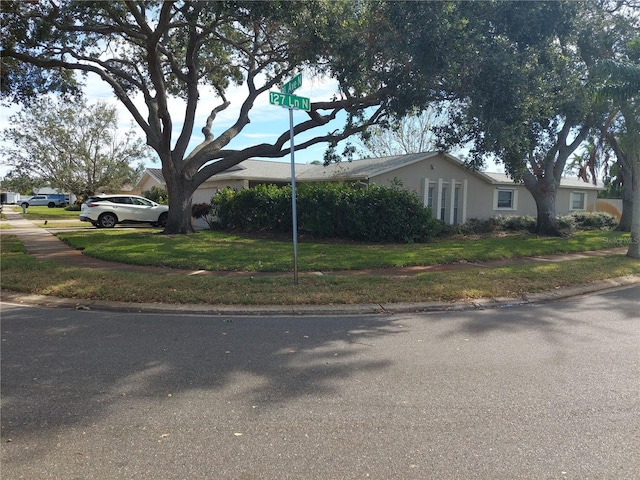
{"type": "Point", "coordinates": [511, 223]}
{"type": "Point", "coordinates": [370, 213]}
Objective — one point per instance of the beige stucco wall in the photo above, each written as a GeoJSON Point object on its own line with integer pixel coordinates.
{"type": "Point", "coordinates": [440, 173]}
{"type": "Point", "coordinates": [564, 200]}
{"type": "Point", "coordinates": [147, 182]}
{"type": "Point", "coordinates": [476, 196]}
{"type": "Point", "coordinates": [208, 189]}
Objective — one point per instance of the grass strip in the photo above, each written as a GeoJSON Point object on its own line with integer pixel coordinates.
{"type": "Point", "coordinates": [217, 251]}
{"type": "Point", "coordinates": [46, 213]}
{"type": "Point", "coordinates": [24, 273]}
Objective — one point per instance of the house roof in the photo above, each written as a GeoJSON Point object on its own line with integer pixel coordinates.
{"type": "Point", "coordinates": [156, 173]}
{"type": "Point", "coordinates": [362, 169]}
{"type": "Point", "coordinates": [565, 182]}
{"type": "Point", "coordinates": [261, 171]}
{"type": "Point", "coordinates": [357, 170]}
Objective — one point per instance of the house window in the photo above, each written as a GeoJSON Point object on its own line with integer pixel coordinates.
{"type": "Point", "coordinates": [505, 199]}
{"type": "Point", "coordinates": [455, 205]}
{"type": "Point", "coordinates": [430, 197]}
{"type": "Point", "coordinates": [443, 204]}
{"type": "Point", "coordinates": [578, 200]}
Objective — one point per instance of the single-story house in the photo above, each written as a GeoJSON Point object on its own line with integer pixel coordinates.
{"type": "Point", "coordinates": [454, 192]}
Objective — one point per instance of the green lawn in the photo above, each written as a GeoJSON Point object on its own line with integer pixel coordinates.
{"type": "Point", "coordinates": [24, 273]}
{"type": "Point", "coordinates": [46, 213]}
{"type": "Point", "coordinates": [209, 250]}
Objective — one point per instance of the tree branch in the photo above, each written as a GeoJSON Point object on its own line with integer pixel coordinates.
{"type": "Point", "coordinates": [229, 158]}
{"type": "Point", "coordinates": [104, 75]}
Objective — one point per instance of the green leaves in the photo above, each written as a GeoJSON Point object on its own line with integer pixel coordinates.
{"type": "Point", "coordinates": [73, 146]}
{"type": "Point", "coordinates": [374, 213]}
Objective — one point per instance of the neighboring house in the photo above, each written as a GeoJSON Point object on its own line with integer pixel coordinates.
{"type": "Point", "coordinates": [9, 197]}
{"type": "Point", "coordinates": [454, 192]}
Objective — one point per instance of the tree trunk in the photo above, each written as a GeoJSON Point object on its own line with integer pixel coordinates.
{"type": "Point", "coordinates": [627, 209]}
{"type": "Point", "coordinates": [627, 196]}
{"type": "Point", "coordinates": [180, 192]}
{"type": "Point", "coordinates": [634, 241]}
{"type": "Point", "coordinates": [543, 190]}
{"type": "Point", "coordinates": [546, 223]}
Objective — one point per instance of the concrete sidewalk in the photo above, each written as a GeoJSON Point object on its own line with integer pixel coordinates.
{"type": "Point", "coordinates": [44, 245]}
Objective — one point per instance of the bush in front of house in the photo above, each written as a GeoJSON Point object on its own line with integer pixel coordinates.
{"type": "Point", "coordinates": [382, 214]}
{"type": "Point", "coordinates": [354, 211]}
{"type": "Point", "coordinates": [516, 223]}
{"type": "Point", "coordinates": [522, 223]}
{"type": "Point", "coordinates": [202, 211]}
{"type": "Point", "coordinates": [262, 208]}
{"type": "Point", "coordinates": [157, 194]}
{"type": "Point", "coordinates": [589, 220]}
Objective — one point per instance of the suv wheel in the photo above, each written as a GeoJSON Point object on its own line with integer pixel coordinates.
{"type": "Point", "coordinates": [107, 220]}
{"type": "Point", "coordinates": [51, 204]}
{"type": "Point", "coordinates": [162, 220]}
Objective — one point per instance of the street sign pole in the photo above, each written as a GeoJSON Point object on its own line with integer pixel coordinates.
{"type": "Point", "coordinates": [284, 98]}
{"type": "Point", "coordinates": [293, 201]}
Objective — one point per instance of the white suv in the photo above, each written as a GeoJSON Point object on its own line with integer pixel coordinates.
{"type": "Point", "coordinates": [105, 211]}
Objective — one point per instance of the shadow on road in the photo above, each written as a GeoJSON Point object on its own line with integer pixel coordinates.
{"type": "Point", "coordinates": [555, 321]}
{"type": "Point", "coordinates": [72, 369]}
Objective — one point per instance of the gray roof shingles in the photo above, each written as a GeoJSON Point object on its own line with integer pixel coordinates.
{"type": "Point", "coordinates": [363, 169]}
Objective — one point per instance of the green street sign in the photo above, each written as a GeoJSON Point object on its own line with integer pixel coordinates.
{"type": "Point", "coordinates": [292, 85]}
{"type": "Point", "coordinates": [290, 101]}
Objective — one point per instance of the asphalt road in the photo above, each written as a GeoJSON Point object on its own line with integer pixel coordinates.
{"type": "Point", "coordinates": [548, 391]}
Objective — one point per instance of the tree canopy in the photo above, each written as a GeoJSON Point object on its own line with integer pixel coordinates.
{"type": "Point", "coordinates": [72, 146]}
{"type": "Point", "coordinates": [623, 136]}
{"type": "Point", "coordinates": [518, 75]}
{"type": "Point", "coordinates": [524, 98]}
{"type": "Point", "coordinates": [161, 50]}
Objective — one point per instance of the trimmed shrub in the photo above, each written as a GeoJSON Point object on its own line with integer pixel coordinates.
{"type": "Point", "coordinates": [200, 210]}
{"type": "Point", "coordinates": [261, 208]}
{"type": "Point", "coordinates": [203, 211]}
{"type": "Point", "coordinates": [570, 222]}
{"type": "Point", "coordinates": [473, 226]}
{"type": "Point", "coordinates": [566, 222]}
{"type": "Point", "coordinates": [513, 223]}
{"type": "Point", "coordinates": [375, 213]}
{"type": "Point", "coordinates": [592, 220]}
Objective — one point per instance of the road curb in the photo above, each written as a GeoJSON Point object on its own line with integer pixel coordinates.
{"type": "Point", "coordinates": [315, 310]}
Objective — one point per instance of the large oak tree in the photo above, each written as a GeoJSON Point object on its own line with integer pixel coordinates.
{"type": "Point", "coordinates": [158, 50]}
{"type": "Point", "coordinates": [522, 95]}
